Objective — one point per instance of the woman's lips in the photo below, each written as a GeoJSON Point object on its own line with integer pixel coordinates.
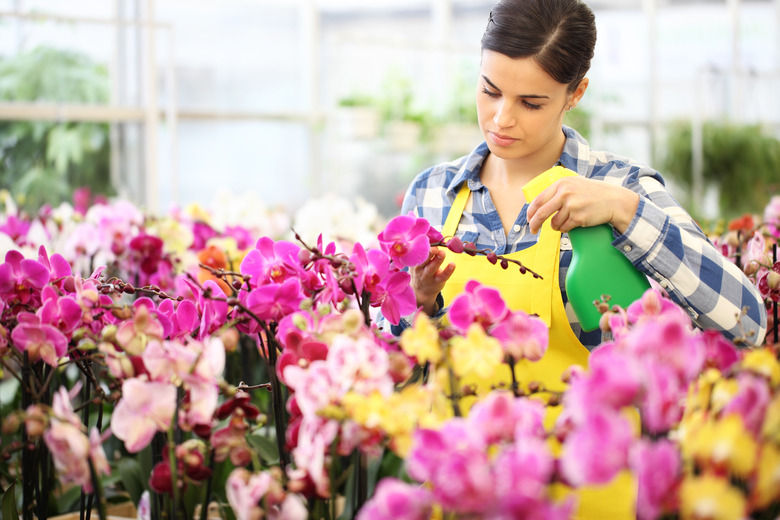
{"type": "Point", "coordinates": [501, 140]}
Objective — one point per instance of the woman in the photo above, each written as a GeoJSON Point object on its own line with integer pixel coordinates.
{"type": "Point", "coordinates": [535, 54]}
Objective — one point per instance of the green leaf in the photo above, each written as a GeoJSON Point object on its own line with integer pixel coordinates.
{"type": "Point", "coordinates": [265, 447]}
{"type": "Point", "coordinates": [132, 478]}
{"type": "Point", "coordinates": [9, 502]}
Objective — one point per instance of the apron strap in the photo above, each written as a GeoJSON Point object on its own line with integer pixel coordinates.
{"type": "Point", "coordinates": [456, 210]}
{"type": "Point", "coordinates": [546, 259]}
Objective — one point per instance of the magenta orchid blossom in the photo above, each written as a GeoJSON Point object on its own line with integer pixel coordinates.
{"type": "Point", "coordinates": [477, 304]}
{"type": "Point", "coordinates": [271, 261]}
{"type": "Point", "coordinates": [21, 278]}
{"type": "Point", "coordinates": [40, 340]}
{"type": "Point", "coordinates": [522, 336]}
{"type": "Point", "coordinates": [405, 239]}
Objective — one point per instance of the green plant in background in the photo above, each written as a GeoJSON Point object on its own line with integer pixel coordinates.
{"type": "Point", "coordinates": [742, 161]}
{"type": "Point", "coordinates": [41, 162]}
{"type": "Point", "coordinates": [579, 119]}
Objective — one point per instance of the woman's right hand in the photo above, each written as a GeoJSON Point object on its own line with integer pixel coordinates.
{"type": "Point", "coordinates": [429, 278]}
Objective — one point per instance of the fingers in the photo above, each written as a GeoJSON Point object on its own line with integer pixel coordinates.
{"type": "Point", "coordinates": [542, 207]}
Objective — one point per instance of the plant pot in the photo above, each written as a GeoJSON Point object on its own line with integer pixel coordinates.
{"type": "Point", "coordinates": [403, 136]}
{"type": "Point", "coordinates": [356, 122]}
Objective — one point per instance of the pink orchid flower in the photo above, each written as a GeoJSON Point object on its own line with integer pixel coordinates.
{"type": "Point", "coordinates": [650, 306]}
{"type": "Point", "coordinates": [661, 403]}
{"type": "Point", "coordinates": [719, 352]}
{"type": "Point", "coordinates": [750, 402]}
{"type": "Point", "coordinates": [145, 408]}
{"type": "Point", "coordinates": [359, 366]}
{"type": "Point", "coordinates": [501, 417]}
{"type": "Point", "coordinates": [148, 251]}
{"type": "Point", "coordinates": [398, 299]}
{"type": "Point", "coordinates": [245, 490]}
{"type": "Point", "coordinates": [72, 450]}
{"type": "Point", "coordinates": [271, 262]}
{"type": "Point", "coordinates": [477, 304]}
{"type": "Point", "coordinates": [135, 334]}
{"type": "Point", "coordinates": [595, 451]}
{"type": "Point", "coordinates": [405, 239]}
{"type": "Point", "coordinates": [755, 254]}
{"type": "Point", "coordinates": [772, 216]}
{"type": "Point", "coordinates": [274, 301]}
{"type": "Point", "coordinates": [58, 267]}
{"type": "Point", "coordinates": [522, 336]}
{"type": "Point", "coordinates": [315, 436]}
{"type": "Point", "coordinates": [300, 351]}
{"type": "Point", "coordinates": [614, 380]}
{"type": "Point", "coordinates": [40, 340]}
{"type": "Point", "coordinates": [22, 278]}
{"type": "Point", "coordinates": [521, 473]}
{"type": "Point", "coordinates": [63, 312]}
{"type": "Point", "coordinates": [395, 499]}
{"type": "Point", "coordinates": [657, 467]}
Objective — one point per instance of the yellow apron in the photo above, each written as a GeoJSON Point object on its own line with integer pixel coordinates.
{"type": "Point", "coordinates": [543, 298]}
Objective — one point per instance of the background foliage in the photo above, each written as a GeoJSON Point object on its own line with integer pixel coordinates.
{"type": "Point", "coordinates": [41, 162]}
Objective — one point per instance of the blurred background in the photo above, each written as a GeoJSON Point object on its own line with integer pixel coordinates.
{"type": "Point", "coordinates": [170, 102]}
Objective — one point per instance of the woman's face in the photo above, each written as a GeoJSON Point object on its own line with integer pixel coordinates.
{"type": "Point", "coordinates": [521, 107]}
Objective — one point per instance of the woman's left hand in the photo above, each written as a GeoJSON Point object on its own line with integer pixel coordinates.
{"type": "Point", "coordinates": [580, 202]}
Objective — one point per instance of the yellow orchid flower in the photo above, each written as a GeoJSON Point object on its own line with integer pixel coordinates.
{"type": "Point", "coordinates": [712, 498]}
{"type": "Point", "coordinates": [726, 443]}
{"type": "Point", "coordinates": [771, 429]}
{"type": "Point", "coordinates": [476, 353]}
{"type": "Point", "coordinates": [422, 340]}
{"type": "Point", "coordinates": [763, 361]}
{"type": "Point", "coordinates": [767, 487]}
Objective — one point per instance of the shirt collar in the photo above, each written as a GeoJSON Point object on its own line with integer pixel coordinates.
{"type": "Point", "coordinates": [469, 170]}
{"type": "Point", "coordinates": [576, 152]}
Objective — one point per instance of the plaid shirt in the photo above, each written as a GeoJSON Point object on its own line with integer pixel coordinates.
{"type": "Point", "coordinates": [662, 240]}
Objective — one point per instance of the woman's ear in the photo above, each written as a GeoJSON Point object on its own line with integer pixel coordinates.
{"type": "Point", "coordinates": [576, 96]}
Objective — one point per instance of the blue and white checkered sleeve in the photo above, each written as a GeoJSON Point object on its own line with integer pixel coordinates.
{"type": "Point", "coordinates": [664, 242]}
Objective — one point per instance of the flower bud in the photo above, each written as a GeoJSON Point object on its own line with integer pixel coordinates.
{"type": "Point", "coordinates": [122, 313]}
{"type": "Point", "coordinates": [108, 333]}
{"type": "Point", "coordinates": [732, 238]}
{"type": "Point", "coordinates": [470, 248]}
{"type": "Point", "coordinates": [229, 337]}
{"type": "Point", "coordinates": [352, 320]}
{"type": "Point", "coordinates": [11, 424]}
{"type": "Point", "coordinates": [492, 257]}
{"type": "Point", "coordinates": [773, 280]}
{"type": "Point", "coordinates": [35, 421]}
{"type": "Point", "coordinates": [86, 345]}
{"type": "Point", "coordinates": [300, 322]}
{"type": "Point", "coordinates": [455, 245]}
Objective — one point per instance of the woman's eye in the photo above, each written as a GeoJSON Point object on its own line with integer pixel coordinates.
{"type": "Point", "coordinates": [490, 94]}
{"type": "Point", "coordinates": [531, 106]}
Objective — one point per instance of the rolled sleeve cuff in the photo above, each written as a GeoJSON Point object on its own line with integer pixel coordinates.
{"type": "Point", "coordinates": [408, 321]}
{"type": "Point", "coordinates": [644, 233]}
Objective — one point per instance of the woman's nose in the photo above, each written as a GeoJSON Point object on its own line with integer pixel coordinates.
{"type": "Point", "coordinates": [504, 117]}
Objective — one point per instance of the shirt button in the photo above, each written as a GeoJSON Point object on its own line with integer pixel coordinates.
{"type": "Point", "coordinates": [564, 241]}
{"type": "Point", "coordinates": [516, 227]}
{"type": "Point", "coordinates": [627, 248]}
{"type": "Point", "coordinates": [664, 284]}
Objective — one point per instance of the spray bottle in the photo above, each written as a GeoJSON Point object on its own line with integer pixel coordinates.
{"type": "Point", "coordinates": [596, 268]}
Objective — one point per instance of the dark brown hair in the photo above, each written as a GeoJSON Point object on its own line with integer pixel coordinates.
{"type": "Point", "coordinates": [559, 34]}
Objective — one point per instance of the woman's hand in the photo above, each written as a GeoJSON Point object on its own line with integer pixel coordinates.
{"type": "Point", "coordinates": [429, 278]}
{"type": "Point", "coordinates": [581, 202]}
